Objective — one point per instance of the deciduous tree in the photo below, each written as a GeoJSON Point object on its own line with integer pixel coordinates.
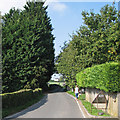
{"type": "Point", "coordinates": [97, 42]}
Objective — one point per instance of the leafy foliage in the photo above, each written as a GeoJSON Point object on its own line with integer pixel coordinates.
{"type": "Point", "coordinates": [97, 42]}
{"type": "Point", "coordinates": [105, 77]}
{"type": "Point", "coordinates": [13, 99]}
{"type": "Point", "coordinates": [28, 53]}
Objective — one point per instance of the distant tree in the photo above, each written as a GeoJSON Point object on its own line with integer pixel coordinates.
{"type": "Point", "coordinates": [28, 49]}
{"type": "Point", "coordinates": [61, 79]}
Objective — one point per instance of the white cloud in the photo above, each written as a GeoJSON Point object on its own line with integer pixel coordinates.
{"type": "Point", "coordinates": [6, 5]}
{"type": "Point", "coordinates": [56, 5]}
{"type": "Point", "coordinates": [85, 0]}
{"type": "Point", "coordinates": [59, 7]}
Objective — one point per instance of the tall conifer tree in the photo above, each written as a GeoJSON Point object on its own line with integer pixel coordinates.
{"type": "Point", "coordinates": [28, 49]}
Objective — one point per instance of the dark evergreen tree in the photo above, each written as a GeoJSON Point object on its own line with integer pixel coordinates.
{"type": "Point", "coordinates": [28, 49]}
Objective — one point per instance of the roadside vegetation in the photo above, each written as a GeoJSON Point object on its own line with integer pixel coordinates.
{"type": "Point", "coordinates": [27, 56]}
{"type": "Point", "coordinates": [13, 110]}
{"type": "Point", "coordinates": [27, 48]}
{"type": "Point", "coordinates": [105, 77]}
{"type": "Point", "coordinates": [62, 84]}
{"type": "Point", "coordinates": [93, 55]}
{"type": "Point", "coordinates": [92, 58]}
{"type": "Point", "coordinates": [95, 43]}
{"type": "Point", "coordinates": [87, 105]}
{"type": "Point", "coordinates": [17, 101]}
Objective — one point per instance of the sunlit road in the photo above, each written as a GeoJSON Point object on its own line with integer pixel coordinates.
{"type": "Point", "coordinates": [53, 105]}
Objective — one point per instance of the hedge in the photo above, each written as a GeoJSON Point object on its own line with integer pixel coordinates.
{"type": "Point", "coordinates": [20, 97]}
{"type": "Point", "coordinates": [104, 77]}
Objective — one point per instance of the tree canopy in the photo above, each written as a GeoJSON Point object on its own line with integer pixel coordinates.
{"type": "Point", "coordinates": [96, 42]}
{"type": "Point", "coordinates": [28, 49]}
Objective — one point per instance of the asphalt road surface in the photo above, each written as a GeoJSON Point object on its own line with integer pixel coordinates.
{"type": "Point", "coordinates": [53, 105]}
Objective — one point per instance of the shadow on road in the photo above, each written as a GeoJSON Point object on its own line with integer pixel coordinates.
{"type": "Point", "coordinates": [31, 108]}
{"type": "Point", "coordinates": [54, 88]}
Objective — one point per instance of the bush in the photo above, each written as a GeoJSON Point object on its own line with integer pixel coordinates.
{"type": "Point", "coordinates": [104, 77]}
{"type": "Point", "coordinates": [20, 97]}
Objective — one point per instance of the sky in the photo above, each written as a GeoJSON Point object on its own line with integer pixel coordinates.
{"type": "Point", "coordinates": [66, 19]}
{"type": "Point", "coordinates": [65, 15]}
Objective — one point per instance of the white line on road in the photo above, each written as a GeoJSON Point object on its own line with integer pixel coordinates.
{"type": "Point", "coordinates": [80, 109]}
{"type": "Point", "coordinates": [78, 105]}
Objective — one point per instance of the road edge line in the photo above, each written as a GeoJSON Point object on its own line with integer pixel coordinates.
{"type": "Point", "coordinates": [78, 105]}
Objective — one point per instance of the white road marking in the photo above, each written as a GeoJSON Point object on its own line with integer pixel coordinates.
{"type": "Point", "coordinates": [78, 105]}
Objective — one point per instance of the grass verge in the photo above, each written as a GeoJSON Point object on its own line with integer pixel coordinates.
{"type": "Point", "coordinates": [13, 110]}
{"type": "Point", "coordinates": [87, 105]}
{"type": "Point", "coordinates": [57, 83]}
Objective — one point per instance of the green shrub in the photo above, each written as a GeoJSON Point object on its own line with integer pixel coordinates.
{"type": "Point", "coordinates": [20, 97]}
{"type": "Point", "coordinates": [105, 77]}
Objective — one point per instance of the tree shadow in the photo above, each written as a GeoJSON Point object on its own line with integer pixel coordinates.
{"type": "Point", "coordinates": [31, 108]}
{"type": "Point", "coordinates": [54, 88]}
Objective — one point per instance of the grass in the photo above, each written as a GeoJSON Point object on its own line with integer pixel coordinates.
{"type": "Point", "coordinates": [87, 105]}
{"type": "Point", "coordinates": [10, 111]}
{"type": "Point", "coordinates": [72, 93]}
{"type": "Point", "coordinates": [58, 83]}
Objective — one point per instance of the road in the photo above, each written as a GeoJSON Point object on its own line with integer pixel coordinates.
{"type": "Point", "coordinates": [53, 105]}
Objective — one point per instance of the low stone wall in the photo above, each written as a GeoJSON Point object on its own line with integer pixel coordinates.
{"type": "Point", "coordinates": [113, 101]}
{"type": "Point", "coordinates": [118, 96]}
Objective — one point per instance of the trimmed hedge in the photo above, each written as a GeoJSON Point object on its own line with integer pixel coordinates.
{"type": "Point", "coordinates": [104, 77]}
{"type": "Point", "coordinates": [20, 97]}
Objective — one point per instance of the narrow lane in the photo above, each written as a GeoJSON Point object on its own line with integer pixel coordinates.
{"type": "Point", "coordinates": [53, 105]}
